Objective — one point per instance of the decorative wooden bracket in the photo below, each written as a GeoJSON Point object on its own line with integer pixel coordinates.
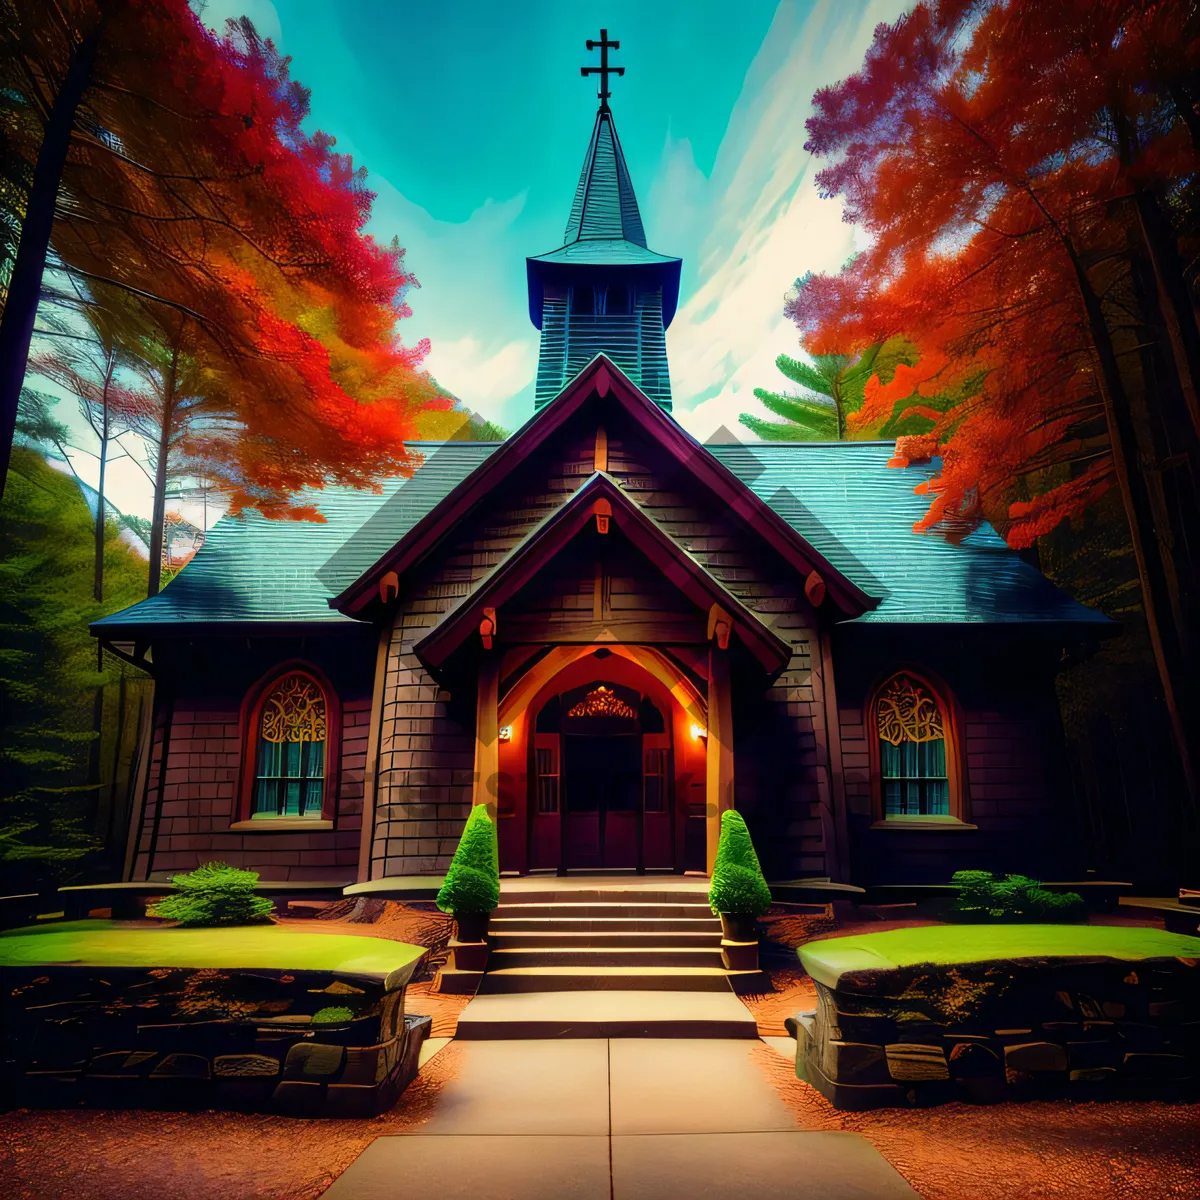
{"type": "Point", "coordinates": [600, 458]}
{"type": "Point", "coordinates": [389, 587]}
{"type": "Point", "coordinates": [603, 382]}
{"type": "Point", "coordinates": [487, 627]}
{"type": "Point", "coordinates": [720, 625]}
{"type": "Point", "coordinates": [603, 513]}
{"type": "Point", "coordinates": [814, 589]}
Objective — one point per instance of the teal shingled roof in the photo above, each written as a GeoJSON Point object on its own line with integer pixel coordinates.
{"type": "Point", "coordinates": [845, 500]}
{"type": "Point", "coordinates": [608, 252]}
{"type": "Point", "coordinates": [841, 497]}
{"type": "Point", "coordinates": [251, 570]}
{"type": "Point", "coordinates": [605, 206]}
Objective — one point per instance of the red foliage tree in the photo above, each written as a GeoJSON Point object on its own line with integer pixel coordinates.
{"type": "Point", "coordinates": [177, 172]}
{"type": "Point", "coordinates": [1025, 170]}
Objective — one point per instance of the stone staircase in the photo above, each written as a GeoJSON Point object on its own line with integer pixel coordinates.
{"type": "Point", "coordinates": [605, 960]}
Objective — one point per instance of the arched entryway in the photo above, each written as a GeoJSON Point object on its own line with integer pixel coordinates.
{"type": "Point", "coordinates": [602, 766]}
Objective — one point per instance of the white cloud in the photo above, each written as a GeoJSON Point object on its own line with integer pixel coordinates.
{"type": "Point", "coordinates": [481, 376]}
{"type": "Point", "coordinates": [765, 224]}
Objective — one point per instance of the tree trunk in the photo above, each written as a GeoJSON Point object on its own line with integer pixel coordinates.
{"type": "Point", "coordinates": [98, 579]}
{"type": "Point", "coordinates": [1178, 314]}
{"type": "Point", "coordinates": [25, 283]}
{"type": "Point", "coordinates": [158, 521]}
{"type": "Point", "coordinates": [1156, 600]}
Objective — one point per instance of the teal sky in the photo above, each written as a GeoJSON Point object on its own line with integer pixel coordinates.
{"type": "Point", "coordinates": [472, 120]}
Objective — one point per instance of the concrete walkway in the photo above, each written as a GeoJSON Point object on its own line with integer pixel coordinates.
{"type": "Point", "coordinates": [619, 1119]}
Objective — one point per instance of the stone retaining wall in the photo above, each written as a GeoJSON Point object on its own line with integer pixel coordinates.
{"type": "Point", "coordinates": [1003, 1030]}
{"type": "Point", "coordinates": [187, 1038]}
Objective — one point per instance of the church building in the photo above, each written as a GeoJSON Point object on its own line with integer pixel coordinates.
{"type": "Point", "coordinates": [609, 633]}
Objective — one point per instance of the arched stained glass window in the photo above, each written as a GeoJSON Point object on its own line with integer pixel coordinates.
{"type": "Point", "coordinates": [912, 750]}
{"type": "Point", "coordinates": [289, 778]}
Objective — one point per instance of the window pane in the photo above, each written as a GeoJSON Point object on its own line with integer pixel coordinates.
{"type": "Point", "coordinates": [290, 772]}
{"type": "Point", "coordinates": [914, 779]}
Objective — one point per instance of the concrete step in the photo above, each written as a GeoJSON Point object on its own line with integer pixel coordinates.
{"type": "Point", "coordinates": [572, 925]}
{"type": "Point", "coordinates": [606, 1014]}
{"type": "Point", "coordinates": [605, 895]}
{"type": "Point", "coordinates": [506, 980]}
{"type": "Point", "coordinates": [528, 939]}
{"type": "Point", "coordinates": [595, 909]}
{"type": "Point", "coordinates": [605, 956]}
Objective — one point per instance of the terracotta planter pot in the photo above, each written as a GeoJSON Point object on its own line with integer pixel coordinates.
{"type": "Point", "coordinates": [472, 927]}
{"type": "Point", "coordinates": [739, 927]}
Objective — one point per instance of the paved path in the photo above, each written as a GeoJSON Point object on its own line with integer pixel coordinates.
{"type": "Point", "coordinates": [620, 1119]}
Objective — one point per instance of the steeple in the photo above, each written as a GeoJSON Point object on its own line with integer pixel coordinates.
{"type": "Point", "coordinates": [603, 289]}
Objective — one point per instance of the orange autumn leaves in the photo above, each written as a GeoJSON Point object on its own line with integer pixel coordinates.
{"type": "Point", "coordinates": [990, 150]}
{"type": "Point", "coordinates": [198, 215]}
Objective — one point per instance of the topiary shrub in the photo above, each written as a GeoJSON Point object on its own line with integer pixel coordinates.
{"type": "Point", "coordinates": [214, 894]}
{"type": "Point", "coordinates": [473, 882]}
{"type": "Point", "coordinates": [984, 896]}
{"type": "Point", "coordinates": [738, 885]}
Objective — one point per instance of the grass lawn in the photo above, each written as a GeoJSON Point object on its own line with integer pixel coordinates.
{"type": "Point", "coordinates": [271, 947]}
{"type": "Point", "coordinates": [943, 945]}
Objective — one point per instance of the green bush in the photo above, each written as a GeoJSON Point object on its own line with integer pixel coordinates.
{"type": "Point", "coordinates": [984, 896]}
{"type": "Point", "coordinates": [214, 894]}
{"type": "Point", "coordinates": [473, 882]}
{"type": "Point", "coordinates": [339, 1014]}
{"type": "Point", "coordinates": [738, 885]}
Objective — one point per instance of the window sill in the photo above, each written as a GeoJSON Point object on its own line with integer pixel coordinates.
{"type": "Point", "coordinates": [942, 824]}
{"type": "Point", "coordinates": [279, 825]}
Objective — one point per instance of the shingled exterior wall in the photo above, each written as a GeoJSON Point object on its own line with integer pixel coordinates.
{"type": "Point", "coordinates": [1009, 744]}
{"type": "Point", "coordinates": [192, 799]}
{"type": "Point", "coordinates": [426, 760]}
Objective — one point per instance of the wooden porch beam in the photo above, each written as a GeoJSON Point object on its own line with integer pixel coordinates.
{"type": "Point", "coordinates": [719, 757]}
{"type": "Point", "coordinates": [487, 734]}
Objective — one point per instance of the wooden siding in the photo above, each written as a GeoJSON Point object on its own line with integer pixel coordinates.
{"type": "Point", "coordinates": [1010, 756]}
{"type": "Point", "coordinates": [781, 765]}
{"type": "Point", "coordinates": [192, 799]}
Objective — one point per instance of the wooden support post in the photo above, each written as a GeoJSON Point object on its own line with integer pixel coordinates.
{"type": "Point", "coordinates": [833, 821]}
{"type": "Point", "coordinates": [366, 839]}
{"type": "Point", "coordinates": [487, 730]}
{"type": "Point", "coordinates": [719, 760]}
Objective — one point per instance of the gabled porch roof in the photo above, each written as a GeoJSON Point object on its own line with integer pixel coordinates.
{"type": "Point", "coordinates": [556, 531]}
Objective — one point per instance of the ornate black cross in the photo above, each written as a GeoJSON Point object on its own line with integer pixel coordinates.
{"type": "Point", "coordinates": [603, 70]}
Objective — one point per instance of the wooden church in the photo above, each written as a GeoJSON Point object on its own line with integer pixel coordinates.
{"type": "Point", "coordinates": [610, 633]}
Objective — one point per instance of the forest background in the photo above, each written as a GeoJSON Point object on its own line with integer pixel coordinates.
{"type": "Point", "coordinates": [178, 254]}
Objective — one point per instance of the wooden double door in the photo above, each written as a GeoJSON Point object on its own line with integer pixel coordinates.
{"type": "Point", "coordinates": [603, 775]}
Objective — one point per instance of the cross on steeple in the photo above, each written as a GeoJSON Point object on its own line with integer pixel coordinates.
{"type": "Point", "coordinates": [603, 70]}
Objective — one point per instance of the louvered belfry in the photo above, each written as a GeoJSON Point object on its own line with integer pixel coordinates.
{"type": "Point", "coordinates": [603, 290]}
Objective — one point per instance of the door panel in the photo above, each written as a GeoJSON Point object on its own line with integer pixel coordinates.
{"type": "Point", "coordinates": [601, 798]}
{"type": "Point", "coordinates": [657, 801]}
{"type": "Point", "coordinates": [545, 801]}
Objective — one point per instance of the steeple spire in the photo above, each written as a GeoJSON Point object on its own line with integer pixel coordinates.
{"type": "Point", "coordinates": [603, 290]}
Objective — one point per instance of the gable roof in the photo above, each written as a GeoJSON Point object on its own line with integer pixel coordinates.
{"type": "Point", "coordinates": [841, 498]}
{"type": "Point", "coordinates": [602, 378]}
{"type": "Point", "coordinates": [556, 531]}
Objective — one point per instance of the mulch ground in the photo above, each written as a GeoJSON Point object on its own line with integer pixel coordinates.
{"type": "Point", "coordinates": [1066, 1150]}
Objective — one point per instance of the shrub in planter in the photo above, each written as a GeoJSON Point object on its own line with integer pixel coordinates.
{"type": "Point", "coordinates": [214, 894]}
{"type": "Point", "coordinates": [472, 886]}
{"type": "Point", "coordinates": [984, 896]}
{"type": "Point", "coordinates": [739, 893]}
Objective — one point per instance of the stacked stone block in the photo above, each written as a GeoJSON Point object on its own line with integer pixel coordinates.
{"type": "Point", "coordinates": [230, 1039]}
{"type": "Point", "coordinates": [1003, 1030]}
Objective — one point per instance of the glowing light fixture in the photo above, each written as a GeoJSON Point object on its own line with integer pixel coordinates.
{"type": "Point", "coordinates": [698, 732]}
{"type": "Point", "coordinates": [505, 733]}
